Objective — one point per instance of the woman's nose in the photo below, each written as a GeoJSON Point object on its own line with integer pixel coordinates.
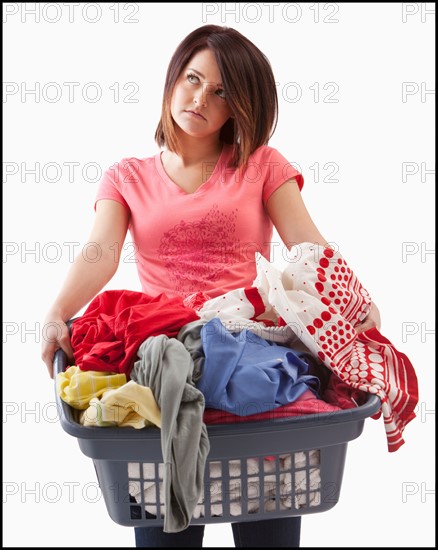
{"type": "Point", "coordinates": [200, 97]}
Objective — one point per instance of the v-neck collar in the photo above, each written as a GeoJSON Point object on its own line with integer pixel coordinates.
{"type": "Point", "coordinates": [220, 164]}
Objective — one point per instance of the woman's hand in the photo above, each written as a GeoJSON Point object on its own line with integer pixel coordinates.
{"type": "Point", "coordinates": [55, 335]}
{"type": "Point", "coordinates": [370, 321]}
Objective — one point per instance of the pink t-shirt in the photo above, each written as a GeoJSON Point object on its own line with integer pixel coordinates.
{"type": "Point", "coordinates": [202, 241]}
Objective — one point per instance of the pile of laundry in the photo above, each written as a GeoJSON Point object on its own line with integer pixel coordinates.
{"type": "Point", "coordinates": [284, 346]}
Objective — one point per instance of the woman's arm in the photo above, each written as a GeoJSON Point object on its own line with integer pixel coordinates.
{"type": "Point", "coordinates": [86, 277]}
{"type": "Point", "coordinates": [289, 215]}
{"type": "Point", "coordinates": [294, 225]}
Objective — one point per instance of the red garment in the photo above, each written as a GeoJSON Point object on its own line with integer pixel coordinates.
{"type": "Point", "coordinates": [342, 395]}
{"type": "Point", "coordinates": [117, 322]}
{"type": "Point", "coordinates": [307, 403]}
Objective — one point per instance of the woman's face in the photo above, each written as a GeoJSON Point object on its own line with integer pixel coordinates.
{"type": "Point", "coordinates": [199, 105]}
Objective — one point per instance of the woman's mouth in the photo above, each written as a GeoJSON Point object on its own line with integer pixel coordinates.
{"type": "Point", "coordinates": [196, 115]}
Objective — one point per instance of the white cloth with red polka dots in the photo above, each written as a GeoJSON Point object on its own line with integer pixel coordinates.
{"type": "Point", "coordinates": [320, 300]}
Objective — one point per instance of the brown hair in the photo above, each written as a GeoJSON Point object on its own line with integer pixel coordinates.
{"type": "Point", "coordinates": [249, 86]}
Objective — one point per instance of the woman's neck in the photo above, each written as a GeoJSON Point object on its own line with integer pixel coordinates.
{"type": "Point", "coordinates": [196, 151]}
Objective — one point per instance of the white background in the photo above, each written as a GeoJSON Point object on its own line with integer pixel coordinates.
{"type": "Point", "coordinates": [387, 498]}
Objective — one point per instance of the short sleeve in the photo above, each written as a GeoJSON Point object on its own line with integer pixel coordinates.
{"type": "Point", "coordinates": [112, 183]}
{"type": "Point", "coordinates": [278, 171]}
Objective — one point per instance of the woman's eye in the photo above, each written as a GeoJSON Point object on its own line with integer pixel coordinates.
{"type": "Point", "coordinates": [221, 93]}
{"type": "Point", "coordinates": [191, 77]}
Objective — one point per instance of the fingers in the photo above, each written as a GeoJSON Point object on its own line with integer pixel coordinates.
{"type": "Point", "coordinates": [376, 315]}
{"type": "Point", "coordinates": [55, 336]}
{"type": "Point", "coordinates": [47, 357]}
{"type": "Point", "coordinates": [365, 325]}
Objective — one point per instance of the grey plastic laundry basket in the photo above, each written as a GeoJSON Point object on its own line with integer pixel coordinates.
{"type": "Point", "coordinates": [255, 470]}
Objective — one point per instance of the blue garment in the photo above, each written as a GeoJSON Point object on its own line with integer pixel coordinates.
{"type": "Point", "coordinates": [245, 374]}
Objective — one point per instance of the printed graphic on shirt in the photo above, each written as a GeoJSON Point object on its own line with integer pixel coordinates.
{"type": "Point", "coordinates": [195, 253]}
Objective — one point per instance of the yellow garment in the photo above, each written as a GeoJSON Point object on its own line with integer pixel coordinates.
{"type": "Point", "coordinates": [77, 387]}
{"type": "Point", "coordinates": [130, 405]}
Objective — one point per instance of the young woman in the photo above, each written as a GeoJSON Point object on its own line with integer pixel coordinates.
{"type": "Point", "coordinates": [199, 210]}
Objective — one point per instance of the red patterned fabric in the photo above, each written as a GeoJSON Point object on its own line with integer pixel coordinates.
{"type": "Point", "coordinates": [321, 300]}
{"type": "Point", "coordinates": [109, 333]}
